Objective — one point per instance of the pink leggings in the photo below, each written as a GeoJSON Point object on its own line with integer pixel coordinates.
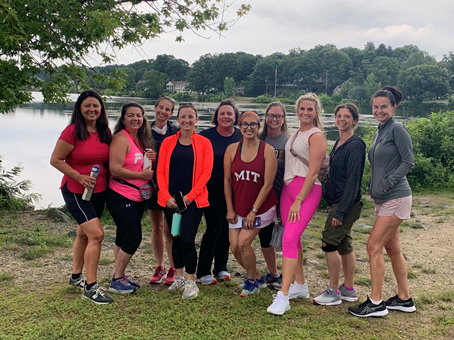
{"type": "Point", "coordinates": [291, 241]}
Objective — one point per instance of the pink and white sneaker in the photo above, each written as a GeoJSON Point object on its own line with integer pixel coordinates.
{"type": "Point", "coordinates": [171, 276]}
{"type": "Point", "coordinates": [159, 275]}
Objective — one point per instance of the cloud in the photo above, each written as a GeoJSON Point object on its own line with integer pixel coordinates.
{"type": "Point", "coordinates": [277, 26]}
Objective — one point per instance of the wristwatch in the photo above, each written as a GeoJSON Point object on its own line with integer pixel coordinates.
{"type": "Point", "coordinates": [254, 210]}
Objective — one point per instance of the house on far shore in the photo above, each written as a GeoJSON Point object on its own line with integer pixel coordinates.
{"type": "Point", "coordinates": [176, 86]}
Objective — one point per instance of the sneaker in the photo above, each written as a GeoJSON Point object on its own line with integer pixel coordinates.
{"type": "Point", "coordinates": [190, 290]}
{"type": "Point", "coordinates": [171, 275]}
{"type": "Point", "coordinates": [328, 298]}
{"type": "Point", "coordinates": [250, 287]}
{"type": "Point", "coordinates": [280, 304]}
{"type": "Point", "coordinates": [277, 285]}
{"type": "Point", "coordinates": [348, 295]}
{"type": "Point", "coordinates": [159, 275]}
{"type": "Point", "coordinates": [96, 295]}
{"type": "Point", "coordinates": [261, 282]}
{"type": "Point", "coordinates": [178, 284]}
{"type": "Point", "coordinates": [297, 291]}
{"type": "Point", "coordinates": [78, 283]}
{"type": "Point", "coordinates": [121, 286]}
{"type": "Point", "coordinates": [223, 276]}
{"type": "Point", "coordinates": [270, 278]}
{"type": "Point", "coordinates": [395, 303]}
{"type": "Point", "coordinates": [367, 308]}
{"type": "Point", "coordinates": [132, 283]}
{"type": "Point", "coordinates": [207, 280]}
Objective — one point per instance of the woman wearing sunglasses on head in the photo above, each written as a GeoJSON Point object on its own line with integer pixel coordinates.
{"type": "Point", "coordinates": [125, 198]}
{"type": "Point", "coordinates": [300, 197]}
{"type": "Point", "coordinates": [184, 168]}
{"type": "Point", "coordinates": [249, 169]}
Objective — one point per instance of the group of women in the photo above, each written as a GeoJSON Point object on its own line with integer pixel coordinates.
{"type": "Point", "coordinates": [242, 180]}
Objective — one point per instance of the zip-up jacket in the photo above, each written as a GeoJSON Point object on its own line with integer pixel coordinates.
{"type": "Point", "coordinates": [391, 158]}
{"type": "Point", "coordinates": [346, 166]}
{"type": "Point", "coordinates": [203, 165]}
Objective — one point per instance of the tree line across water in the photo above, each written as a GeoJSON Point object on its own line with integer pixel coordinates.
{"type": "Point", "coordinates": [355, 73]}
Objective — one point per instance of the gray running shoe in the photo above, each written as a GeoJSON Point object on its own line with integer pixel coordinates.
{"type": "Point", "coordinates": [78, 283]}
{"type": "Point", "coordinates": [328, 298]}
{"type": "Point", "coordinates": [298, 291]}
{"type": "Point", "coordinates": [190, 290]}
{"type": "Point", "coordinates": [347, 295]}
{"type": "Point", "coordinates": [96, 295]}
{"type": "Point", "coordinates": [178, 284]}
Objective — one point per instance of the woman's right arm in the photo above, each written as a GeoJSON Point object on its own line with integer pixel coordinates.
{"type": "Point", "coordinates": [57, 160]}
{"type": "Point", "coordinates": [117, 153]}
{"type": "Point", "coordinates": [228, 159]}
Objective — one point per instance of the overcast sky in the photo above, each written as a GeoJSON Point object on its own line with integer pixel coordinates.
{"type": "Point", "coordinates": [280, 25]}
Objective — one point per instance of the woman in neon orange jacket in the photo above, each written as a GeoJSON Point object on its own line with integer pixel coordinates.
{"type": "Point", "coordinates": [184, 166]}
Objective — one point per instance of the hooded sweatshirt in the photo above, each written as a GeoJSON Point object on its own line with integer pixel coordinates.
{"type": "Point", "coordinates": [391, 158]}
{"type": "Point", "coordinates": [346, 166]}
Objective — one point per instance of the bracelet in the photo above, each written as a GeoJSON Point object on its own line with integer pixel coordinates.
{"type": "Point", "coordinates": [299, 198]}
{"type": "Point", "coordinates": [254, 210]}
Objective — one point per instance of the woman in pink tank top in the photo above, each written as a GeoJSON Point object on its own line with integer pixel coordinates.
{"type": "Point", "coordinates": [249, 170]}
{"type": "Point", "coordinates": [132, 136]}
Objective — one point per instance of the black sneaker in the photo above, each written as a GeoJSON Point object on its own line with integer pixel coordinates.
{"type": "Point", "coordinates": [96, 295]}
{"type": "Point", "coordinates": [367, 308]}
{"type": "Point", "coordinates": [395, 303]}
{"type": "Point", "coordinates": [78, 283]}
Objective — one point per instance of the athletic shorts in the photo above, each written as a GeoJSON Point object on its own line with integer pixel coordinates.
{"type": "Point", "coordinates": [341, 235]}
{"type": "Point", "coordinates": [84, 211]}
{"type": "Point", "coordinates": [152, 203]}
{"type": "Point", "coordinates": [401, 207]}
{"type": "Point", "coordinates": [266, 219]}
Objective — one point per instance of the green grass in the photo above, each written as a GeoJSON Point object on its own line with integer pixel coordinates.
{"type": "Point", "coordinates": [6, 277]}
{"type": "Point", "coordinates": [429, 271]}
{"type": "Point", "coordinates": [35, 252]}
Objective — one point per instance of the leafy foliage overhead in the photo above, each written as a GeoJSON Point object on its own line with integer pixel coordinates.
{"type": "Point", "coordinates": [58, 37]}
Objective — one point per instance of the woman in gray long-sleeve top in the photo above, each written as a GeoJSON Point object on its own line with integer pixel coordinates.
{"type": "Point", "coordinates": [391, 158]}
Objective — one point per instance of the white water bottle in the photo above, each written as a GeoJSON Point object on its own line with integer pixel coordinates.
{"type": "Point", "coordinates": [146, 161]}
{"type": "Point", "coordinates": [95, 170]}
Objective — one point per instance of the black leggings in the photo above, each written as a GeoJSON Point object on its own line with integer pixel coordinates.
{"type": "Point", "coordinates": [215, 241]}
{"type": "Point", "coordinates": [183, 248]}
{"type": "Point", "coordinates": [127, 215]}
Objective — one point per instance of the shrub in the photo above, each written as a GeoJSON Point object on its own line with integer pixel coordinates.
{"type": "Point", "coordinates": [12, 191]}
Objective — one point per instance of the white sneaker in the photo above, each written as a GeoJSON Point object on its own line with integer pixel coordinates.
{"type": "Point", "coordinates": [190, 290]}
{"type": "Point", "coordinates": [298, 291]}
{"type": "Point", "coordinates": [280, 304]}
{"type": "Point", "coordinates": [328, 298]}
{"type": "Point", "coordinates": [178, 284]}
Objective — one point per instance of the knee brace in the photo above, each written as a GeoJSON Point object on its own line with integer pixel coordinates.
{"type": "Point", "coordinates": [328, 248]}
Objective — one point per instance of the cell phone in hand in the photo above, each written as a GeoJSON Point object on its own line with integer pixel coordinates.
{"type": "Point", "coordinates": [181, 204]}
{"type": "Point", "coordinates": [257, 222]}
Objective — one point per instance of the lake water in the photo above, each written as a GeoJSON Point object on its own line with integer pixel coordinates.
{"type": "Point", "coordinates": [28, 135]}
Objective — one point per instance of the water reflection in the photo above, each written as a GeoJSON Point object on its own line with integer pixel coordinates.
{"type": "Point", "coordinates": [28, 135]}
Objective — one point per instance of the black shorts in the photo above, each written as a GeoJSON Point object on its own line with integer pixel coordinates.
{"type": "Point", "coordinates": [152, 203]}
{"type": "Point", "coordinates": [84, 211]}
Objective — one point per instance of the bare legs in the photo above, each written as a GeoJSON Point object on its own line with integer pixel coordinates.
{"type": "Point", "coordinates": [334, 261]}
{"type": "Point", "coordinates": [292, 268]}
{"type": "Point", "coordinates": [87, 248]}
{"type": "Point", "coordinates": [159, 232]}
{"type": "Point", "coordinates": [240, 245]}
{"type": "Point", "coordinates": [270, 258]}
{"type": "Point", "coordinates": [385, 233]}
{"type": "Point", "coordinates": [121, 261]}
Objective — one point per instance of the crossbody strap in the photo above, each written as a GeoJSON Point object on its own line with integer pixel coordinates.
{"type": "Point", "coordinates": [122, 181]}
{"type": "Point", "coordinates": [293, 152]}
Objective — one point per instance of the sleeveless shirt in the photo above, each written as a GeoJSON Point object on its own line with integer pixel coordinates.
{"type": "Point", "coordinates": [133, 162]}
{"type": "Point", "coordinates": [247, 181]}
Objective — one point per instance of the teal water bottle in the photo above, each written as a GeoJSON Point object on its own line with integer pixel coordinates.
{"type": "Point", "coordinates": [176, 224]}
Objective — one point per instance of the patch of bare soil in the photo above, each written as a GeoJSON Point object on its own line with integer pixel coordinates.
{"type": "Point", "coordinates": [427, 244]}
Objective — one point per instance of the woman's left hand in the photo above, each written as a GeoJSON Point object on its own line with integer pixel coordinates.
{"type": "Point", "coordinates": [294, 212]}
{"type": "Point", "coordinates": [151, 155]}
{"type": "Point", "coordinates": [249, 220]}
{"type": "Point", "coordinates": [188, 202]}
